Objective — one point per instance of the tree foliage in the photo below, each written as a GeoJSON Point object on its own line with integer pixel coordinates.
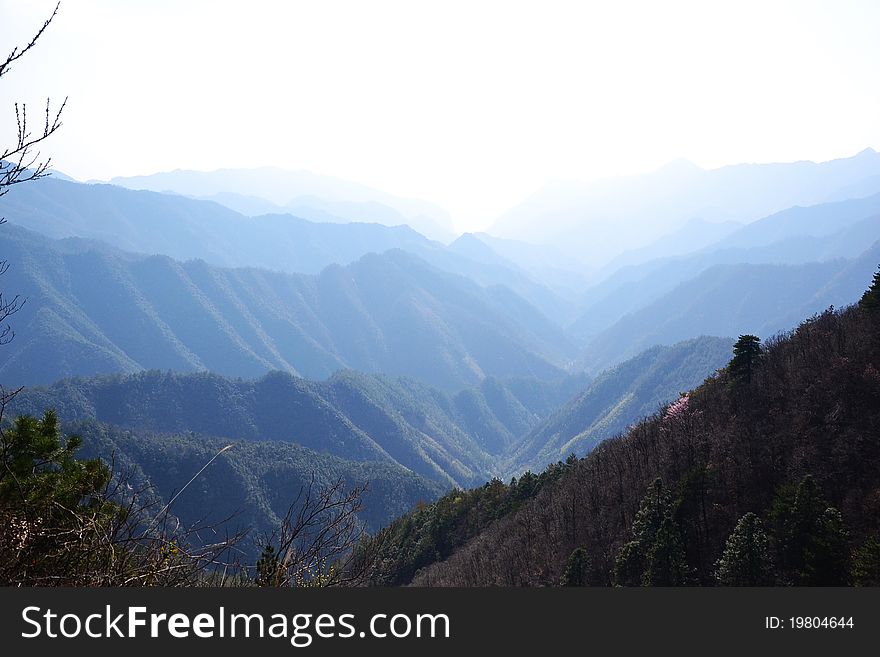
{"type": "Point", "coordinates": [746, 352]}
{"type": "Point", "coordinates": [747, 559]}
{"type": "Point", "coordinates": [655, 555]}
{"type": "Point", "coordinates": [870, 300]}
{"type": "Point", "coordinates": [811, 540]}
{"type": "Point", "coordinates": [866, 563]}
{"type": "Point", "coordinates": [577, 570]}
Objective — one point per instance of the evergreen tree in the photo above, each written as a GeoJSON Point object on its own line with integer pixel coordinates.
{"type": "Point", "coordinates": [667, 563]}
{"type": "Point", "coordinates": [655, 556]}
{"type": "Point", "coordinates": [40, 476]}
{"type": "Point", "coordinates": [866, 563]}
{"type": "Point", "coordinates": [870, 300]}
{"type": "Point", "coordinates": [577, 570]}
{"type": "Point", "coordinates": [629, 565]}
{"type": "Point", "coordinates": [51, 505]}
{"type": "Point", "coordinates": [267, 567]}
{"type": "Point", "coordinates": [811, 539]}
{"type": "Point", "coordinates": [746, 352]}
{"type": "Point", "coordinates": [746, 560]}
{"type": "Point", "coordinates": [826, 562]}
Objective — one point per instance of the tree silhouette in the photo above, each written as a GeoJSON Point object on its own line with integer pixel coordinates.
{"type": "Point", "coordinates": [21, 161]}
{"type": "Point", "coordinates": [870, 300]}
{"type": "Point", "coordinates": [746, 352]}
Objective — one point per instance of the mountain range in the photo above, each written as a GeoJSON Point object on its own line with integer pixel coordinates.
{"type": "Point", "coordinates": [585, 219]}
{"type": "Point", "coordinates": [309, 195]}
{"type": "Point", "coordinates": [292, 317]}
{"type": "Point", "coordinates": [94, 310]}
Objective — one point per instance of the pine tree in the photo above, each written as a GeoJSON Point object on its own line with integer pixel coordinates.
{"type": "Point", "coordinates": [577, 570]}
{"type": "Point", "coordinates": [267, 567]}
{"type": "Point", "coordinates": [51, 506]}
{"type": "Point", "coordinates": [811, 539]}
{"type": "Point", "coordinates": [870, 300]}
{"type": "Point", "coordinates": [40, 475]}
{"type": "Point", "coordinates": [655, 556]}
{"type": "Point", "coordinates": [746, 560]}
{"type": "Point", "coordinates": [746, 352]}
{"type": "Point", "coordinates": [866, 563]}
{"type": "Point", "coordinates": [827, 560]}
{"type": "Point", "coordinates": [667, 562]}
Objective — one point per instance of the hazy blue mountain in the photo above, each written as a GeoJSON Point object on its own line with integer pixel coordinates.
{"type": "Point", "coordinates": [184, 229]}
{"type": "Point", "coordinates": [761, 299]}
{"type": "Point", "coordinates": [821, 220]}
{"type": "Point", "coordinates": [249, 206]}
{"type": "Point", "coordinates": [565, 275]}
{"type": "Point", "coordinates": [797, 235]}
{"type": "Point", "coordinates": [302, 189]}
{"type": "Point", "coordinates": [91, 311]}
{"type": "Point", "coordinates": [59, 175]}
{"type": "Point", "coordinates": [695, 235]}
{"type": "Point", "coordinates": [618, 398]}
{"type": "Point", "coordinates": [865, 187]}
{"type": "Point", "coordinates": [453, 439]}
{"type": "Point", "coordinates": [600, 220]}
{"type": "Point", "coordinates": [321, 210]}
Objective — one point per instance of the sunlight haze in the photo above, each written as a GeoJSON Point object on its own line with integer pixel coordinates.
{"type": "Point", "coordinates": [470, 105]}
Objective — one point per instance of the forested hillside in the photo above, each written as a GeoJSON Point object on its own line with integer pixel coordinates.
{"type": "Point", "coordinates": [618, 397]}
{"type": "Point", "coordinates": [453, 439]}
{"type": "Point", "coordinates": [769, 472]}
{"type": "Point", "coordinates": [251, 486]}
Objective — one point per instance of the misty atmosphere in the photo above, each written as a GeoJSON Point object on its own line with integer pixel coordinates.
{"type": "Point", "coordinates": [447, 296]}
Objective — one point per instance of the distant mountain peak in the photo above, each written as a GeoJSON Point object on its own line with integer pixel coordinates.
{"type": "Point", "coordinates": [680, 165]}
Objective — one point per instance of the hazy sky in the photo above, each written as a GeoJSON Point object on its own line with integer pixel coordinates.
{"type": "Point", "coordinates": [471, 105]}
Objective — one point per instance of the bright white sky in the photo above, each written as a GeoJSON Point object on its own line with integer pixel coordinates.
{"type": "Point", "coordinates": [472, 105]}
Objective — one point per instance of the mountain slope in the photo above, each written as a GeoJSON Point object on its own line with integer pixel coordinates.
{"type": "Point", "coordinates": [598, 221]}
{"type": "Point", "coordinates": [758, 299]}
{"type": "Point", "coordinates": [614, 400]}
{"type": "Point", "coordinates": [794, 236]}
{"type": "Point", "coordinates": [355, 416]}
{"type": "Point", "coordinates": [184, 229]}
{"type": "Point", "coordinates": [811, 407]}
{"type": "Point", "coordinates": [249, 487]}
{"type": "Point", "coordinates": [90, 310]}
{"type": "Point", "coordinates": [302, 191]}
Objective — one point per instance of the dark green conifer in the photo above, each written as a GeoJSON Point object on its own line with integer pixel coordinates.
{"type": "Point", "coordinates": [811, 539]}
{"type": "Point", "coordinates": [866, 563]}
{"type": "Point", "coordinates": [577, 570]}
{"type": "Point", "coordinates": [746, 560]}
{"type": "Point", "coordinates": [746, 352]}
{"type": "Point", "coordinates": [870, 300]}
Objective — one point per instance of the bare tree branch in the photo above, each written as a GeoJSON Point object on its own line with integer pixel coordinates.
{"type": "Point", "coordinates": [316, 540]}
